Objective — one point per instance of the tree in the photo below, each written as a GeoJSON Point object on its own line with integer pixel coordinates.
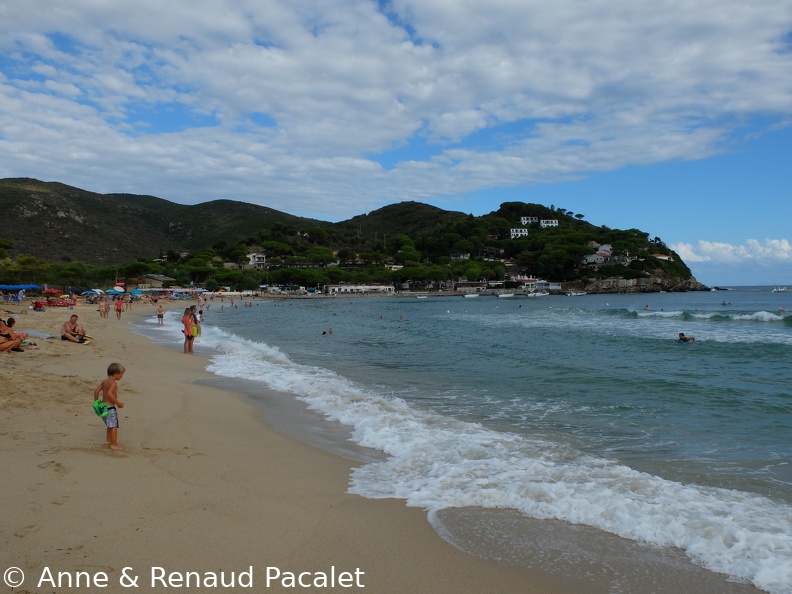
{"type": "Point", "coordinates": [317, 235]}
{"type": "Point", "coordinates": [318, 254]}
{"type": "Point", "coordinates": [276, 248]}
{"type": "Point", "coordinates": [23, 267]}
{"type": "Point", "coordinates": [500, 227]}
{"type": "Point", "coordinates": [5, 245]}
{"type": "Point", "coordinates": [346, 255]}
{"type": "Point", "coordinates": [238, 256]}
{"type": "Point", "coordinates": [249, 280]}
{"type": "Point", "coordinates": [408, 254]}
{"type": "Point", "coordinates": [372, 257]}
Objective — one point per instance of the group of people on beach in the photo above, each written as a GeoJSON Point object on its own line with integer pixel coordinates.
{"type": "Point", "coordinates": [119, 305]}
{"type": "Point", "coordinates": [191, 320]}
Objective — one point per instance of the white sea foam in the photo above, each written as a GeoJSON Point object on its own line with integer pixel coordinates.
{"type": "Point", "coordinates": [438, 462]}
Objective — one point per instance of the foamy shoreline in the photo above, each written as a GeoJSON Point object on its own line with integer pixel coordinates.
{"type": "Point", "coordinates": [203, 486]}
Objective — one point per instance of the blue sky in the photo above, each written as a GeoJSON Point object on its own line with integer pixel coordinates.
{"type": "Point", "coordinates": [667, 117]}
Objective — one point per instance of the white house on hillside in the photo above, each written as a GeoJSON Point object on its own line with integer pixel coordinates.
{"type": "Point", "coordinates": [257, 261]}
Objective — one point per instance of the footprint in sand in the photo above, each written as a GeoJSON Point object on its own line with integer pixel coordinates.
{"type": "Point", "coordinates": [61, 500]}
{"type": "Point", "coordinates": [23, 532]}
{"type": "Point", "coordinates": [56, 466]}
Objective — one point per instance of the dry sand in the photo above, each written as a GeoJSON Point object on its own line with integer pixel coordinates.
{"type": "Point", "coordinates": [204, 485]}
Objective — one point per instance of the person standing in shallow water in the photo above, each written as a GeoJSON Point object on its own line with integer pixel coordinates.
{"type": "Point", "coordinates": [187, 321]}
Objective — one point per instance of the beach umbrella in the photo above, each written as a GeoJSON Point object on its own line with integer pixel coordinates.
{"type": "Point", "coordinates": [51, 291]}
{"type": "Point", "coordinates": [113, 292]}
{"type": "Point", "coordinates": [136, 292]}
{"type": "Point", "coordinates": [89, 292]}
{"type": "Point", "coordinates": [119, 289]}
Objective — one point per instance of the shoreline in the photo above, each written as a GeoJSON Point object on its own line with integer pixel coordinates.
{"type": "Point", "coordinates": [204, 484]}
{"type": "Point", "coordinates": [554, 546]}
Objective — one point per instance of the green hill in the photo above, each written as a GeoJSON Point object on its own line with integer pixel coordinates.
{"type": "Point", "coordinates": [61, 224]}
{"type": "Point", "coordinates": [57, 222]}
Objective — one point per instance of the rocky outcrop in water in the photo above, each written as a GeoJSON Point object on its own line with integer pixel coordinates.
{"type": "Point", "coordinates": [654, 284]}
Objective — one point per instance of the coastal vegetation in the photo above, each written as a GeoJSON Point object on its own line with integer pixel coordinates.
{"type": "Point", "coordinates": [69, 237]}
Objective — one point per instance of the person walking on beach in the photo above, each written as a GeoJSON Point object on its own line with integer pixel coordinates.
{"type": "Point", "coordinates": [187, 321]}
{"type": "Point", "coordinates": [109, 390]}
{"type": "Point", "coordinates": [119, 307]}
{"type": "Point", "coordinates": [160, 316]}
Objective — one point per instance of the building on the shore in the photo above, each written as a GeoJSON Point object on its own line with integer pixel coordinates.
{"type": "Point", "coordinates": [155, 281]}
{"type": "Point", "coordinates": [359, 289]}
{"type": "Point", "coordinates": [467, 286]}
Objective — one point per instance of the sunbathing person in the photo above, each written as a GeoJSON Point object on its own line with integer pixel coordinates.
{"type": "Point", "coordinates": [7, 328]}
{"type": "Point", "coordinates": [9, 344]}
{"type": "Point", "coordinates": [72, 331]}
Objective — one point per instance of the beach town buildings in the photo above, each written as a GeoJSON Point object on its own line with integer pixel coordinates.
{"type": "Point", "coordinates": [604, 255]}
{"type": "Point", "coordinates": [517, 232]}
{"type": "Point", "coordinates": [359, 289]}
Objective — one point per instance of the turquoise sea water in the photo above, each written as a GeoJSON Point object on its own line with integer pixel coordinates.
{"type": "Point", "coordinates": [582, 409]}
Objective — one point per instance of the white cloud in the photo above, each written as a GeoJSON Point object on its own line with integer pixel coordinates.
{"type": "Point", "coordinates": [500, 93]}
{"type": "Point", "coordinates": [769, 252]}
{"type": "Point", "coordinates": [768, 262]}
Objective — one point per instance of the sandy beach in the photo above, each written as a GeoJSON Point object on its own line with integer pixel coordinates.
{"type": "Point", "coordinates": [205, 491]}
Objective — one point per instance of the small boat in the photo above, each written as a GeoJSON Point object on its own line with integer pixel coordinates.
{"type": "Point", "coordinates": [538, 294]}
{"type": "Point", "coordinates": [471, 295]}
{"type": "Point", "coordinates": [780, 290]}
{"type": "Point", "coordinates": [575, 293]}
{"type": "Point", "coordinates": [504, 295]}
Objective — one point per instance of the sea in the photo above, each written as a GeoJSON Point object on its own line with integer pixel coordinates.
{"type": "Point", "coordinates": [560, 433]}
